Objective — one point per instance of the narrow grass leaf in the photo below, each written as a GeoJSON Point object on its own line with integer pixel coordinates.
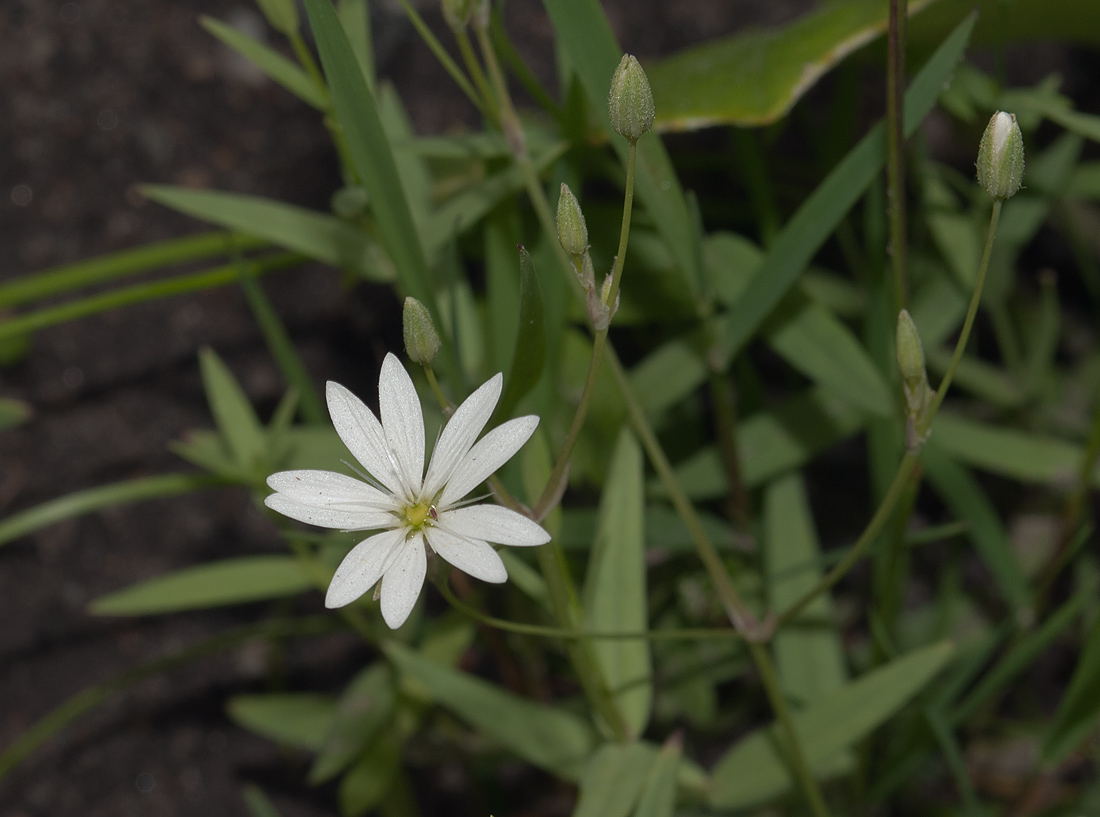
{"type": "Point", "coordinates": [357, 113]}
{"type": "Point", "coordinates": [1079, 709]}
{"type": "Point", "coordinates": [298, 719]}
{"type": "Point", "coordinates": [810, 660]}
{"type": "Point", "coordinates": [94, 271]}
{"type": "Point", "coordinates": [240, 428]}
{"type": "Point", "coordinates": [964, 496]}
{"type": "Point", "coordinates": [317, 235]}
{"type": "Point", "coordinates": [613, 779]}
{"type": "Point", "coordinates": [752, 771]}
{"type": "Point", "coordinates": [530, 341]}
{"type": "Point", "coordinates": [355, 18]}
{"type": "Point", "coordinates": [615, 595]}
{"type": "Point", "coordinates": [819, 216]}
{"type": "Point", "coordinates": [103, 496]}
{"type": "Point", "coordinates": [551, 739]}
{"type": "Point", "coordinates": [658, 797]}
{"type": "Point", "coordinates": [270, 61]}
{"type": "Point", "coordinates": [365, 708]}
{"type": "Point", "coordinates": [216, 584]}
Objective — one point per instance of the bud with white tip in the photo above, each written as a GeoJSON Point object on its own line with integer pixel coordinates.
{"type": "Point", "coordinates": [918, 394]}
{"type": "Point", "coordinates": [421, 340]}
{"type": "Point", "coordinates": [1001, 156]}
{"type": "Point", "coordinates": [630, 103]}
{"type": "Point", "coordinates": [572, 229]}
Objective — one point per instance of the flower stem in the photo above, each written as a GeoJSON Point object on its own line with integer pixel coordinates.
{"type": "Point", "coordinates": [971, 314]}
{"type": "Point", "coordinates": [444, 403]}
{"type": "Point", "coordinates": [440, 53]}
{"type": "Point", "coordinates": [465, 47]}
{"type": "Point", "coordinates": [801, 768]}
{"type": "Point", "coordinates": [895, 149]}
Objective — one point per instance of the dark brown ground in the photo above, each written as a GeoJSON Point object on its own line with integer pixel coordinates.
{"type": "Point", "coordinates": [99, 96]}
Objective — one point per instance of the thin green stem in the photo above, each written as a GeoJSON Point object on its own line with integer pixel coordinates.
{"type": "Point", "coordinates": [444, 403]}
{"type": "Point", "coordinates": [466, 49]}
{"type": "Point", "coordinates": [217, 277]}
{"type": "Point", "coordinates": [906, 469]}
{"type": "Point", "coordinates": [550, 492]}
{"type": "Point", "coordinates": [509, 119]}
{"type": "Point", "coordinates": [782, 711]}
{"type": "Point", "coordinates": [895, 147]}
{"type": "Point", "coordinates": [686, 634]}
{"type": "Point", "coordinates": [440, 53]}
{"type": "Point", "coordinates": [305, 58]}
{"type": "Point", "coordinates": [94, 271]}
{"type": "Point", "coordinates": [738, 612]}
{"type": "Point", "coordinates": [725, 424]}
{"type": "Point", "coordinates": [971, 314]}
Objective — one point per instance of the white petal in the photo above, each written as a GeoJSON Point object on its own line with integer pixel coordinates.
{"type": "Point", "coordinates": [336, 518]}
{"type": "Point", "coordinates": [363, 567]}
{"type": "Point", "coordinates": [493, 524]}
{"type": "Point", "coordinates": [471, 556]}
{"type": "Point", "coordinates": [403, 422]}
{"type": "Point", "coordinates": [363, 435]}
{"type": "Point", "coordinates": [327, 489]}
{"type": "Point", "coordinates": [402, 582]}
{"type": "Point", "coordinates": [460, 432]}
{"type": "Point", "coordinates": [491, 452]}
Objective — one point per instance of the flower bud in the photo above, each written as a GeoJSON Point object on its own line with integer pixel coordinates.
{"type": "Point", "coordinates": [909, 349]}
{"type": "Point", "coordinates": [630, 103]}
{"type": "Point", "coordinates": [457, 13]}
{"type": "Point", "coordinates": [281, 14]}
{"type": "Point", "coordinates": [572, 230]}
{"type": "Point", "coordinates": [1001, 156]}
{"type": "Point", "coordinates": [421, 340]}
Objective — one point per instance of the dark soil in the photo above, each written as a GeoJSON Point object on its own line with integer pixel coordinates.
{"type": "Point", "coordinates": [100, 96]}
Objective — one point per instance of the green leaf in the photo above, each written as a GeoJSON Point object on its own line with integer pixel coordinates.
{"type": "Point", "coordinates": [317, 235]}
{"type": "Point", "coordinates": [215, 584]}
{"type": "Point", "coordinates": [810, 660]}
{"type": "Point", "coordinates": [964, 496]}
{"type": "Point", "coordinates": [667, 375]}
{"type": "Point", "coordinates": [365, 708]}
{"type": "Point", "coordinates": [664, 530]}
{"type": "Point", "coordinates": [103, 496]}
{"type": "Point", "coordinates": [819, 216]}
{"type": "Point", "coordinates": [755, 77]}
{"type": "Point", "coordinates": [270, 61]}
{"type": "Point", "coordinates": [658, 798]}
{"type": "Point", "coordinates": [370, 779]}
{"type": "Point", "coordinates": [355, 18]}
{"type": "Point", "coordinates": [753, 772]}
{"type": "Point", "coordinates": [615, 596]}
{"type": "Point", "coordinates": [549, 738]}
{"type": "Point", "coordinates": [584, 35]}
{"type": "Point", "coordinates": [13, 412]}
{"type": "Point", "coordinates": [296, 719]}
{"type": "Point", "coordinates": [1008, 452]}
{"type": "Point", "coordinates": [1079, 708]}
{"type": "Point", "coordinates": [530, 343]}
{"type": "Point", "coordinates": [240, 429]}
{"type": "Point", "coordinates": [370, 151]}
{"type": "Point", "coordinates": [613, 779]}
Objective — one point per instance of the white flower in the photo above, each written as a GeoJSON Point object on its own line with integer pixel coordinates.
{"type": "Point", "coordinates": [409, 507]}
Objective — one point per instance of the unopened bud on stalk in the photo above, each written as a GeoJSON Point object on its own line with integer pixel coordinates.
{"type": "Point", "coordinates": [630, 103]}
{"type": "Point", "coordinates": [572, 230]}
{"type": "Point", "coordinates": [281, 14]}
{"type": "Point", "coordinates": [910, 351]}
{"type": "Point", "coordinates": [918, 394]}
{"type": "Point", "coordinates": [1001, 156]}
{"type": "Point", "coordinates": [421, 340]}
{"type": "Point", "coordinates": [457, 13]}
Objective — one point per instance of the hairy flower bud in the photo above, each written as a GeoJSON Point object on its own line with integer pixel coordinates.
{"type": "Point", "coordinates": [1001, 156]}
{"type": "Point", "coordinates": [572, 230]}
{"type": "Point", "coordinates": [421, 340]}
{"type": "Point", "coordinates": [910, 351]}
{"type": "Point", "coordinates": [630, 103]}
{"type": "Point", "coordinates": [281, 14]}
{"type": "Point", "coordinates": [918, 395]}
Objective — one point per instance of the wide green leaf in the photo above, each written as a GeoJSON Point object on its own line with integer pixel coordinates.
{"type": "Point", "coordinates": [658, 798]}
{"type": "Point", "coordinates": [270, 61]}
{"type": "Point", "coordinates": [820, 214]}
{"type": "Point", "coordinates": [365, 708]}
{"type": "Point", "coordinates": [613, 779]}
{"type": "Point", "coordinates": [367, 782]}
{"type": "Point", "coordinates": [550, 738]}
{"type": "Point", "coordinates": [615, 596]}
{"type": "Point", "coordinates": [296, 719]}
{"type": "Point", "coordinates": [753, 771]}
{"type": "Point", "coordinates": [241, 432]}
{"type": "Point", "coordinates": [317, 235]}
{"type": "Point", "coordinates": [215, 584]}
{"type": "Point", "coordinates": [810, 660]}
{"type": "Point", "coordinates": [754, 77]}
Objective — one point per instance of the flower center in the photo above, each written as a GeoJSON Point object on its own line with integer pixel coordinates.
{"type": "Point", "coordinates": [416, 516]}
